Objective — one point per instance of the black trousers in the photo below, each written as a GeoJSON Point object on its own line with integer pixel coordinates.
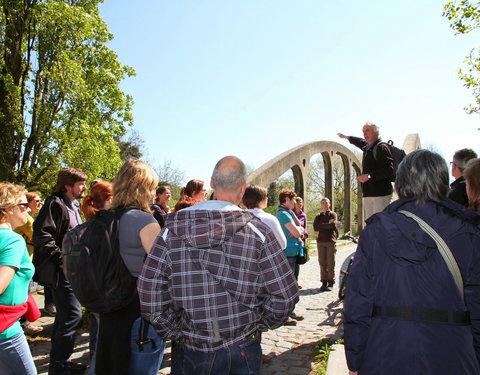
{"type": "Point", "coordinates": [113, 344]}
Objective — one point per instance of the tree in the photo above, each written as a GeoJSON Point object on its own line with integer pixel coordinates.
{"type": "Point", "coordinates": [60, 99]}
{"type": "Point", "coordinates": [132, 147]}
{"type": "Point", "coordinates": [171, 176]}
{"type": "Point", "coordinates": [316, 187]}
{"type": "Point", "coordinates": [464, 17]}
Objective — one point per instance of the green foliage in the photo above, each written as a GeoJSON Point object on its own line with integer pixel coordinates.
{"type": "Point", "coordinates": [316, 188]}
{"type": "Point", "coordinates": [464, 17]}
{"type": "Point", "coordinates": [321, 354]}
{"type": "Point", "coordinates": [60, 98]}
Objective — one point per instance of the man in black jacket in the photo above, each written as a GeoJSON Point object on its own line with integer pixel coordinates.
{"type": "Point", "coordinates": [377, 169]}
{"type": "Point", "coordinates": [59, 214]}
{"type": "Point", "coordinates": [458, 188]}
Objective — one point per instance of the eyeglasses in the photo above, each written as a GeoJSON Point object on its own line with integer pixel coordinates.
{"type": "Point", "coordinates": [23, 206]}
{"type": "Point", "coordinates": [452, 163]}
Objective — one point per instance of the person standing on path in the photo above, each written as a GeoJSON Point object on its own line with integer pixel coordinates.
{"type": "Point", "coordinates": [302, 218]}
{"type": "Point", "coordinates": [215, 279]}
{"type": "Point", "coordinates": [59, 214]}
{"type": "Point", "coordinates": [377, 169]}
{"type": "Point", "coordinates": [458, 188]}
{"type": "Point", "coordinates": [16, 271]}
{"type": "Point", "coordinates": [325, 225]}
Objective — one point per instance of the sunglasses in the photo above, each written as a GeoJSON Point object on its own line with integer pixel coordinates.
{"type": "Point", "coordinates": [23, 206]}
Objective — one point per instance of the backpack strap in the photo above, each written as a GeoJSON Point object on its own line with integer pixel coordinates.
{"type": "Point", "coordinates": [442, 248]}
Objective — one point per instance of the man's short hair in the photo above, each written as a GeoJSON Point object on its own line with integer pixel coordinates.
{"type": "Point", "coordinates": [374, 127]}
{"type": "Point", "coordinates": [461, 157]}
{"type": "Point", "coordinates": [229, 174]}
{"type": "Point", "coordinates": [68, 176]}
{"type": "Point", "coordinates": [253, 195]}
{"type": "Point", "coordinates": [284, 194]}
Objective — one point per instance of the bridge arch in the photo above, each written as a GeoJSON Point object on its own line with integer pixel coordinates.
{"type": "Point", "coordinates": [298, 159]}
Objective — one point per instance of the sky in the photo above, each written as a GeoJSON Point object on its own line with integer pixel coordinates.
{"type": "Point", "coordinates": [256, 78]}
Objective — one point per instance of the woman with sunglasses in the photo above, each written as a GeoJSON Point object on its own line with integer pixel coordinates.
{"type": "Point", "coordinates": [16, 271]}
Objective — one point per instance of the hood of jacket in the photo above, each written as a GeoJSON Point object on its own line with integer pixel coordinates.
{"type": "Point", "coordinates": [203, 229]}
{"type": "Point", "coordinates": [406, 242]}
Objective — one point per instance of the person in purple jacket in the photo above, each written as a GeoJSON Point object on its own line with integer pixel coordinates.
{"type": "Point", "coordinates": [404, 314]}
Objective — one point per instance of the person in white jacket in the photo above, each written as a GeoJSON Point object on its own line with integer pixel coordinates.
{"type": "Point", "coordinates": [255, 200]}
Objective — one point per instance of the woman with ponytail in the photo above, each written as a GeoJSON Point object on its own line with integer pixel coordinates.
{"type": "Point", "coordinates": [100, 198]}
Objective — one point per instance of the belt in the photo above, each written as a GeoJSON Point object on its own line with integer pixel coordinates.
{"type": "Point", "coordinates": [422, 314]}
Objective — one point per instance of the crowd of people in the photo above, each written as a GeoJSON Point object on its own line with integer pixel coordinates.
{"type": "Point", "coordinates": [212, 274]}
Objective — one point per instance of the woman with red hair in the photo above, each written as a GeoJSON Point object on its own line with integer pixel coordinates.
{"type": "Point", "coordinates": [191, 194]}
{"type": "Point", "coordinates": [100, 198]}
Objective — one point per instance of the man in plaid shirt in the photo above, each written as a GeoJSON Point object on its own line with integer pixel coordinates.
{"type": "Point", "coordinates": [215, 278]}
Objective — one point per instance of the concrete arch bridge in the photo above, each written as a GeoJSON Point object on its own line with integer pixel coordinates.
{"type": "Point", "coordinates": [298, 159]}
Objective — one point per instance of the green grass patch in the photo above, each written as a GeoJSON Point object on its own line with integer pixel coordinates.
{"type": "Point", "coordinates": [321, 354]}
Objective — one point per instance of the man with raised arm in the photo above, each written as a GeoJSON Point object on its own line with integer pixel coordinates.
{"type": "Point", "coordinates": [377, 169]}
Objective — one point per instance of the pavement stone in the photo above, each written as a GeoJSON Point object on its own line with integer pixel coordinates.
{"type": "Point", "coordinates": [289, 347]}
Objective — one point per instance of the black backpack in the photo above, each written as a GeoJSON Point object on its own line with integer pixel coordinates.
{"type": "Point", "coordinates": [397, 153]}
{"type": "Point", "coordinates": [93, 264]}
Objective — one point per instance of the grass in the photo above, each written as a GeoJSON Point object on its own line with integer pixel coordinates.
{"type": "Point", "coordinates": [322, 352]}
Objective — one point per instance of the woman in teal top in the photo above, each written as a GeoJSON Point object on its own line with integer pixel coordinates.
{"type": "Point", "coordinates": [16, 271]}
{"type": "Point", "coordinates": [293, 232]}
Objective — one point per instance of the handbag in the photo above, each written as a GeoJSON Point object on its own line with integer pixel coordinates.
{"type": "Point", "coordinates": [303, 256]}
{"type": "Point", "coordinates": [147, 349]}
{"type": "Point", "coordinates": [442, 248]}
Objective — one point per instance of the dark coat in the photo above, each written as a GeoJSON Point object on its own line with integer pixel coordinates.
{"type": "Point", "coordinates": [49, 228]}
{"type": "Point", "coordinates": [458, 191]}
{"type": "Point", "coordinates": [378, 166]}
{"type": "Point", "coordinates": [397, 264]}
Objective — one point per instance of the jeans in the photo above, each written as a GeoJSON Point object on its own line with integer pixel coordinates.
{"type": "Point", "coordinates": [15, 356]}
{"type": "Point", "coordinates": [241, 359]}
{"type": "Point", "coordinates": [67, 322]}
{"type": "Point", "coordinates": [292, 261]}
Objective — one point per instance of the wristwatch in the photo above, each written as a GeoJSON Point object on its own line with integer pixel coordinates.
{"type": "Point", "coordinates": [369, 176]}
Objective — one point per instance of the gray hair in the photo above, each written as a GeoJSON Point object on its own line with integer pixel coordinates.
{"type": "Point", "coordinates": [374, 127]}
{"type": "Point", "coordinates": [422, 175]}
{"type": "Point", "coordinates": [461, 157]}
{"type": "Point", "coordinates": [229, 173]}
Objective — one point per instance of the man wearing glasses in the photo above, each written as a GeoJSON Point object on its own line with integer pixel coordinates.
{"type": "Point", "coordinates": [458, 188]}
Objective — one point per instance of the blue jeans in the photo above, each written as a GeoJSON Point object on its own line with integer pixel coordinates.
{"type": "Point", "coordinates": [240, 359]}
{"type": "Point", "coordinates": [68, 320]}
{"type": "Point", "coordinates": [15, 356]}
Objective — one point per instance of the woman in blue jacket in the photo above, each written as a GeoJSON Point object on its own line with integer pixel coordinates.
{"type": "Point", "coordinates": [404, 314]}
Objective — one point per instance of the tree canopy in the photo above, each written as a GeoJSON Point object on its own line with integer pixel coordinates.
{"type": "Point", "coordinates": [464, 17]}
{"type": "Point", "coordinates": [60, 99]}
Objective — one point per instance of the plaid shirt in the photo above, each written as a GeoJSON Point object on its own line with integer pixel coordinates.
{"type": "Point", "coordinates": [213, 277]}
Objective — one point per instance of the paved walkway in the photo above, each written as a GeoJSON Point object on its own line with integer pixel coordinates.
{"type": "Point", "coordinates": [288, 347]}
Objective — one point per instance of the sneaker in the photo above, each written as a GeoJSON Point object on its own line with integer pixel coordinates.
{"type": "Point", "coordinates": [290, 322]}
{"type": "Point", "coordinates": [49, 310]}
{"type": "Point", "coordinates": [31, 330]}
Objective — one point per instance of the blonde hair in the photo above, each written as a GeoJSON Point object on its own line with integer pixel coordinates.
{"type": "Point", "coordinates": [9, 196]}
{"type": "Point", "coordinates": [134, 184]}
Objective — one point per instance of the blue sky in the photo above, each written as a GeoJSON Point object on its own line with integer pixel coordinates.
{"type": "Point", "coordinates": [256, 78]}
